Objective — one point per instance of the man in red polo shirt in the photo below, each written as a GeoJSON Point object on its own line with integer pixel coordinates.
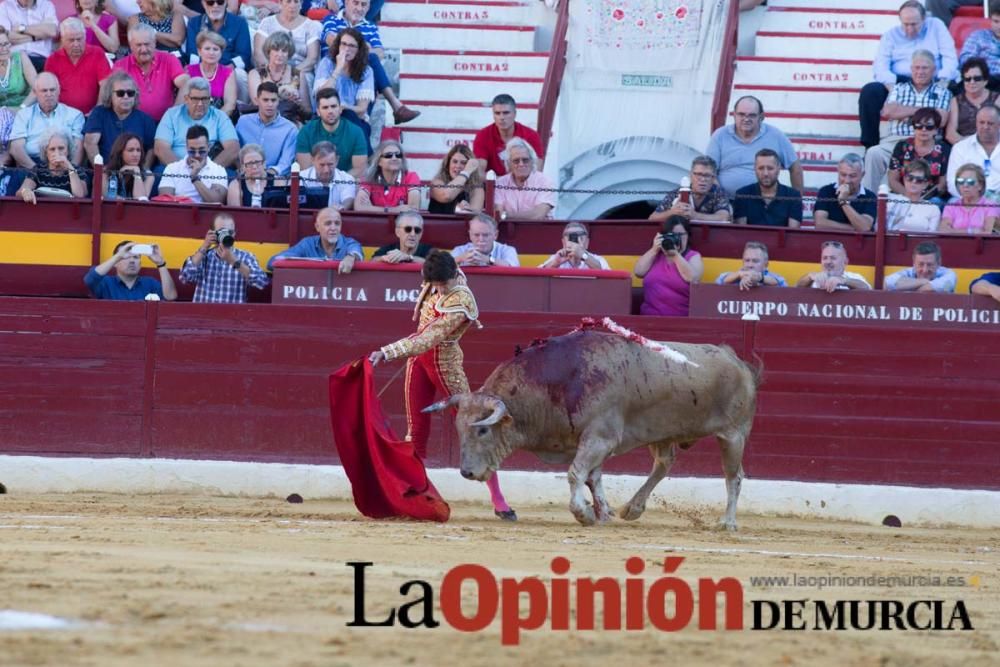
{"type": "Point", "coordinates": [80, 68]}
{"type": "Point", "coordinates": [158, 74]}
{"type": "Point", "coordinates": [490, 145]}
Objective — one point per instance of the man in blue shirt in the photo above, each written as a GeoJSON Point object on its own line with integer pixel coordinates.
{"type": "Point", "coordinates": [269, 129]}
{"type": "Point", "coordinates": [171, 134]}
{"type": "Point", "coordinates": [927, 274]}
{"type": "Point", "coordinates": [892, 62]}
{"type": "Point", "coordinates": [754, 271]}
{"type": "Point", "coordinates": [329, 244]}
{"type": "Point", "coordinates": [127, 284]}
{"type": "Point", "coordinates": [987, 284]}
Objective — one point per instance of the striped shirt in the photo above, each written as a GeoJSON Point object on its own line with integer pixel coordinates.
{"type": "Point", "coordinates": [219, 282]}
{"type": "Point", "coordinates": [334, 23]}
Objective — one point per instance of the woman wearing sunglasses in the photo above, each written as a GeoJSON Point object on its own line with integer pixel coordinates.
{"type": "Point", "coordinates": [973, 213]}
{"type": "Point", "coordinates": [409, 230]}
{"type": "Point", "coordinates": [908, 212]}
{"type": "Point", "coordinates": [387, 186]}
{"type": "Point", "coordinates": [923, 145]}
{"type": "Point", "coordinates": [117, 111]}
{"type": "Point", "coordinates": [974, 95]}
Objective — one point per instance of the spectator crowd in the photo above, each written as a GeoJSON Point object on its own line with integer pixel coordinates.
{"type": "Point", "coordinates": [215, 101]}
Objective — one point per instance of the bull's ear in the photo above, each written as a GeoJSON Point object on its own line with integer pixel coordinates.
{"type": "Point", "coordinates": [443, 405]}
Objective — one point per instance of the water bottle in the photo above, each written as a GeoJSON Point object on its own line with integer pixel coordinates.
{"type": "Point", "coordinates": [112, 187]}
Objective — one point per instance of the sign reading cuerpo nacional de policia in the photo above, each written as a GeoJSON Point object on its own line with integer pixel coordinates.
{"type": "Point", "coordinates": [846, 306]}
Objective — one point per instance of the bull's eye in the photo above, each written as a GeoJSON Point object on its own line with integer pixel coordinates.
{"type": "Point", "coordinates": [483, 430]}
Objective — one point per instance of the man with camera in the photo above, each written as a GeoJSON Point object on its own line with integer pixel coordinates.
{"type": "Point", "coordinates": [126, 284]}
{"type": "Point", "coordinates": [220, 270]}
{"type": "Point", "coordinates": [196, 175]}
{"type": "Point", "coordinates": [574, 253]}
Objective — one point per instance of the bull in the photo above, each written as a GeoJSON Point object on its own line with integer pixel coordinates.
{"type": "Point", "coordinates": [586, 396]}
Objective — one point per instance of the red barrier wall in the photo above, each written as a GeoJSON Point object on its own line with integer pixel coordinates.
{"type": "Point", "coordinates": [839, 403]}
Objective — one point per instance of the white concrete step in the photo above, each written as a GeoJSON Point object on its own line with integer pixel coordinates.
{"type": "Point", "coordinates": [796, 45]}
{"type": "Point", "coordinates": [818, 124]}
{"type": "Point", "coordinates": [825, 149]}
{"type": "Point", "coordinates": [462, 88]}
{"type": "Point", "coordinates": [803, 72]}
{"type": "Point", "coordinates": [475, 63]}
{"type": "Point", "coordinates": [412, 35]}
{"type": "Point", "coordinates": [799, 99]}
{"type": "Point", "coordinates": [837, 21]}
{"type": "Point", "coordinates": [424, 164]}
{"type": "Point", "coordinates": [816, 176]}
{"type": "Point", "coordinates": [435, 140]}
{"type": "Point", "coordinates": [876, 5]}
{"type": "Point", "coordinates": [466, 13]}
{"type": "Point", "coordinates": [438, 113]}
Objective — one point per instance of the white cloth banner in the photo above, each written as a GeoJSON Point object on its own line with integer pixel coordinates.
{"type": "Point", "coordinates": [646, 36]}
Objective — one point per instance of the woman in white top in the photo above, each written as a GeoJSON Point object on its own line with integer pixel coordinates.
{"type": "Point", "coordinates": [305, 34]}
{"type": "Point", "coordinates": [910, 212]}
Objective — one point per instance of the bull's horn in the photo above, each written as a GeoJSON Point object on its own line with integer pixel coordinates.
{"type": "Point", "coordinates": [443, 405]}
{"type": "Point", "coordinates": [499, 410]}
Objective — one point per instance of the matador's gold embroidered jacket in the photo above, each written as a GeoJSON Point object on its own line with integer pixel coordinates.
{"type": "Point", "coordinates": [444, 318]}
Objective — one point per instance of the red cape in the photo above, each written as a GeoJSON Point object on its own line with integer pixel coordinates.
{"type": "Point", "coordinates": [388, 479]}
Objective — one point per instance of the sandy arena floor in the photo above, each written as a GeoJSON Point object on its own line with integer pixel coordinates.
{"type": "Point", "coordinates": [185, 580]}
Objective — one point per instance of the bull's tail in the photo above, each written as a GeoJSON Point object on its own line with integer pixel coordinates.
{"type": "Point", "coordinates": [757, 369]}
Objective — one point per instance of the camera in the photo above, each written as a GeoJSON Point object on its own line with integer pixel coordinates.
{"type": "Point", "coordinates": [671, 241]}
{"type": "Point", "coordinates": [226, 236]}
{"type": "Point", "coordinates": [574, 237]}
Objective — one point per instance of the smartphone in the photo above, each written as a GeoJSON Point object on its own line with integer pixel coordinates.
{"type": "Point", "coordinates": [142, 249]}
{"type": "Point", "coordinates": [574, 237]}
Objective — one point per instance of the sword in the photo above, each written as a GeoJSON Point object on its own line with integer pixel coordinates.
{"type": "Point", "coordinates": [391, 380]}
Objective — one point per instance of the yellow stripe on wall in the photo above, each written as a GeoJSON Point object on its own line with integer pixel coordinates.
{"type": "Point", "coordinates": [51, 249]}
{"type": "Point", "coordinates": [63, 249]}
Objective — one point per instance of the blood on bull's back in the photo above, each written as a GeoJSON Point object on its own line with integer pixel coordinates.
{"type": "Point", "coordinates": [659, 390]}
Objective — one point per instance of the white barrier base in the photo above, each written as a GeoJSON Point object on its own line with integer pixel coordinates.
{"type": "Point", "coordinates": [847, 502]}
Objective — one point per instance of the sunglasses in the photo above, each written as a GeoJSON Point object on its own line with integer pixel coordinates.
{"type": "Point", "coordinates": [216, 3]}
{"type": "Point", "coordinates": [924, 126]}
{"type": "Point", "coordinates": [973, 79]}
{"type": "Point", "coordinates": [197, 152]}
{"type": "Point", "coordinates": [413, 230]}
{"type": "Point", "coordinates": [392, 155]}
{"type": "Point", "coordinates": [124, 93]}
{"type": "Point", "coordinates": [916, 179]}
{"type": "Point", "coordinates": [967, 181]}
{"type": "Point", "coordinates": [521, 160]}
{"type": "Point", "coordinates": [199, 100]}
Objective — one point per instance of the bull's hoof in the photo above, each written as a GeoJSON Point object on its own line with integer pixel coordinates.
{"type": "Point", "coordinates": [506, 515]}
{"type": "Point", "coordinates": [585, 515]}
{"type": "Point", "coordinates": [632, 512]}
{"type": "Point", "coordinates": [606, 514]}
{"type": "Point", "coordinates": [728, 525]}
